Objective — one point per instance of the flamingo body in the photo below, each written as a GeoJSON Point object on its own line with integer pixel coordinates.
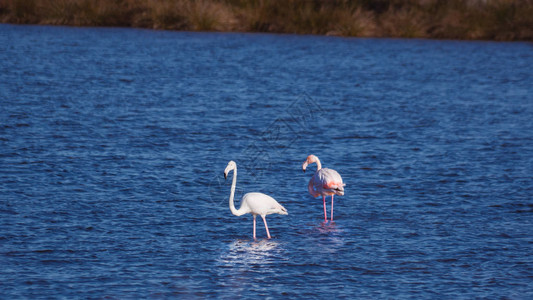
{"type": "Point", "coordinates": [253, 203]}
{"type": "Point", "coordinates": [261, 204]}
{"type": "Point", "coordinates": [325, 182]}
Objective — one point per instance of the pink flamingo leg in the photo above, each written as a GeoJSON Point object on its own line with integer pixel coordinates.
{"type": "Point", "coordinates": [266, 226]}
{"type": "Point", "coordinates": [331, 207]}
{"type": "Point", "coordinates": [254, 227]}
{"type": "Point", "coordinates": [325, 215]}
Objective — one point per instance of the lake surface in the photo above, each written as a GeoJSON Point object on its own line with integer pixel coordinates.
{"type": "Point", "coordinates": [113, 144]}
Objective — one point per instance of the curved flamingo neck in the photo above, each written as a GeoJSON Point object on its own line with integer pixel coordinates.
{"type": "Point", "coordinates": [240, 211]}
{"type": "Point", "coordinates": [318, 164]}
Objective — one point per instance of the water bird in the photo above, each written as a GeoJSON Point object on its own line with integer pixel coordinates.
{"type": "Point", "coordinates": [253, 203]}
{"type": "Point", "coordinates": [324, 182]}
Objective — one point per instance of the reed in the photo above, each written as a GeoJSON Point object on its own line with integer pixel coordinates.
{"type": "Point", "coordinates": [455, 19]}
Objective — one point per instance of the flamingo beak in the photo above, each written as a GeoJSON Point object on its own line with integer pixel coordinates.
{"type": "Point", "coordinates": [225, 176]}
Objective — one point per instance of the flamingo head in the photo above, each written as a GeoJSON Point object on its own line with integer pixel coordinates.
{"type": "Point", "coordinates": [310, 159]}
{"type": "Point", "coordinates": [231, 166]}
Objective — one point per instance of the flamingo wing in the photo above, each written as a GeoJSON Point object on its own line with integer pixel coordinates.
{"type": "Point", "coordinates": [261, 204]}
{"type": "Point", "coordinates": [326, 182]}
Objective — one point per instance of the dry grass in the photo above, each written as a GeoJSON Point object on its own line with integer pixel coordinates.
{"type": "Point", "coordinates": [405, 22]}
{"type": "Point", "coordinates": [355, 22]}
{"type": "Point", "coordinates": [455, 19]}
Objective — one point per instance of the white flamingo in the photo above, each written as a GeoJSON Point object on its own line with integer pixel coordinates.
{"type": "Point", "coordinates": [324, 182]}
{"type": "Point", "coordinates": [253, 203]}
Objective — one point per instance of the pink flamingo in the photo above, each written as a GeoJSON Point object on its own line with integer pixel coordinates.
{"type": "Point", "coordinates": [324, 182]}
{"type": "Point", "coordinates": [253, 203]}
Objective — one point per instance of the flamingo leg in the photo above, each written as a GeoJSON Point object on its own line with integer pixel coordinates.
{"type": "Point", "coordinates": [332, 207]}
{"type": "Point", "coordinates": [325, 215]}
{"type": "Point", "coordinates": [266, 226]}
{"type": "Point", "coordinates": [254, 227]}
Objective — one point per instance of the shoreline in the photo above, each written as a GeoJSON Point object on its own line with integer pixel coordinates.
{"type": "Point", "coordinates": [276, 33]}
{"type": "Point", "coordinates": [485, 20]}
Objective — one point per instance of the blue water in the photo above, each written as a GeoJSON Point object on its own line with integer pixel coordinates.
{"type": "Point", "coordinates": [113, 143]}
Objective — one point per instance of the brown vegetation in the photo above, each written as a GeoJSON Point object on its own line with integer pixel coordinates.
{"type": "Point", "coordinates": [455, 19]}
